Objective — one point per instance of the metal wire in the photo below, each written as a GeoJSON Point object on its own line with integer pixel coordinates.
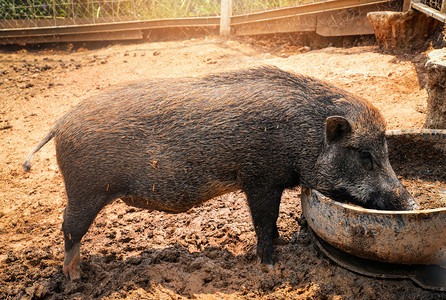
{"type": "Point", "coordinates": [435, 4]}
{"type": "Point", "coordinates": [50, 13]}
{"type": "Point", "coordinates": [240, 7]}
{"type": "Point", "coordinates": [122, 10]}
{"type": "Point", "coordinates": [99, 11]}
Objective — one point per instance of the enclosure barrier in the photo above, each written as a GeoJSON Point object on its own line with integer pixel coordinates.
{"type": "Point", "coordinates": [433, 8]}
{"type": "Point", "coordinates": [88, 20]}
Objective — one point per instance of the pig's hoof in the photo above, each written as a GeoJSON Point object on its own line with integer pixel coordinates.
{"type": "Point", "coordinates": [71, 274]}
{"type": "Point", "coordinates": [72, 270]}
{"type": "Point", "coordinates": [280, 241]}
{"type": "Point", "coordinates": [267, 268]}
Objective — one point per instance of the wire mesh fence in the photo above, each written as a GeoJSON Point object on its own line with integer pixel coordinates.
{"type": "Point", "coordinates": [47, 12]}
{"type": "Point", "coordinates": [435, 4]}
{"type": "Point", "coordinates": [44, 13]}
{"type": "Point", "coordinates": [140, 9]}
{"type": "Point", "coordinates": [240, 7]}
{"type": "Point", "coordinates": [31, 14]}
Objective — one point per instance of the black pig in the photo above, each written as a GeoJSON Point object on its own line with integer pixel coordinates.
{"type": "Point", "coordinates": [172, 144]}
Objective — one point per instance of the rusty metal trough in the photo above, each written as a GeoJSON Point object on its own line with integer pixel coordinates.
{"type": "Point", "coordinates": [403, 237]}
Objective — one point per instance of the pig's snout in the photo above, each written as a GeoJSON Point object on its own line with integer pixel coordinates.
{"type": "Point", "coordinates": [395, 198]}
{"type": "Point", "coordinates": [409, 202]}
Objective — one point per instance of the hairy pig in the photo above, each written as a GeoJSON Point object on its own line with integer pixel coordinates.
{"type": "Point", "coordinates": [171, 144]}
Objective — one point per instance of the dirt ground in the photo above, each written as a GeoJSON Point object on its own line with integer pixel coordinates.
{"type": "Point", "coordinates": [208, 252]}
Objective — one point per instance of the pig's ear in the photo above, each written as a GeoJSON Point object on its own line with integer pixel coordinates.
{"type": "Point", "coordinates": [336, 128]}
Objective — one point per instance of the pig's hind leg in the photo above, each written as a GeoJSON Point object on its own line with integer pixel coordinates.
{"type": "Point", "coordinates": [264, 205]}
{"type": "Point", "coordinates": [77, 220]}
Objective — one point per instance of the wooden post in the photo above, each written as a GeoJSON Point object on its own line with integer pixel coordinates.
{"type": "Point", "coordinates": [54, 9]}
{"type": "Point", "coordinates": [406, 5]}
{"type": "Point", "coordinates": [225, 17]}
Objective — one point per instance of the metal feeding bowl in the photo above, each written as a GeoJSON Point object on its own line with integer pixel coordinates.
{"type": "Point", "coordinates": [378, 242]}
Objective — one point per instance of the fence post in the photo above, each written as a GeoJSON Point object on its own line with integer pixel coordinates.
{"type": "Point", "coordinates": [406, 5]}
{"type": "Point", "coordinates": [225, 17]}
{"type": "Point", "coordinates": [54, 9]}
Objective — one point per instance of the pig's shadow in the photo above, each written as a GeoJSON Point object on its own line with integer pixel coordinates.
{"type": "Point", "coordinates": [186, 273]}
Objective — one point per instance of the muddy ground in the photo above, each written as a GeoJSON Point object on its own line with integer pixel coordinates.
{"type": "Point", "coordinates": [208, 252]}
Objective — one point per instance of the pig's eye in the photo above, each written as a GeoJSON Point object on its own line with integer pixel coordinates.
{"type": "Point", "coordinates": [366, 159]}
